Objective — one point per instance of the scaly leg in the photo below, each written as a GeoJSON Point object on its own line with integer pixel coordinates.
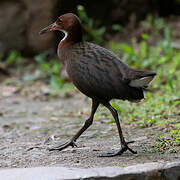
{"type": "Point", "coordinates": [88, 123]}
{"type": "Point", "coordinates": [124, 144]}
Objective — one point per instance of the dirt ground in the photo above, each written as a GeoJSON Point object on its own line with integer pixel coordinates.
{"type": "Point", "coordinates": [28, 126]}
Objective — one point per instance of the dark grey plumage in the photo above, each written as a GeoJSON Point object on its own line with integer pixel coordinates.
{"type": "Point", "coordinates": [98, 73]}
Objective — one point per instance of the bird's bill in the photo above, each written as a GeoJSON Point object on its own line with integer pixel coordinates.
{"type": "Point", "coordinates": [51, 27]}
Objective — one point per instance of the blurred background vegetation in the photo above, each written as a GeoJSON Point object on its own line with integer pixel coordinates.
{"type": "Point", "coordinates": [145, 34]}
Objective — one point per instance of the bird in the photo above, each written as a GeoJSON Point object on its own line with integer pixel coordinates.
{"type": "Point", "coordinates": [97, 73]}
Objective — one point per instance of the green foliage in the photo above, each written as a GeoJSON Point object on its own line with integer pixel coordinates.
{"type": "Point", "coordinates": [93, 32]}
{"type": "Point", "coordinates": [51, 69]}
{"type": "Point", "coordinates": [146, 56]}
{"type": "Point", "coordinates": [153, 25]}
{"type": "Point", "coordinates": [169, 142]}
{"type": "Point", "coordinates": [14, 58]}
{"type": "Point", "coordinates": [116, 27]}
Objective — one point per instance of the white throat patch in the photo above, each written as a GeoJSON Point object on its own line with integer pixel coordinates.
{"type": "Point", "coordinates": [65, 35]}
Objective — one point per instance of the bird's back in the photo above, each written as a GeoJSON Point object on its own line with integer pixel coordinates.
{"type": "Point", "coordinates": [98, 73]}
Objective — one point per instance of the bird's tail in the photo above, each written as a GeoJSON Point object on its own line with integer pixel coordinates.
{"type": "Point", "coordinates": [143, 79]}
{"type": "Point", "coordinates": [142, 82]}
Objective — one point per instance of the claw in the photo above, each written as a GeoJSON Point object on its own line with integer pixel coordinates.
{"type": "Point", "coordinates": [130, 142]}
{"type": "Point", "coordinates": [62, 146]}
{"type": "Point", "coordinates": [73, 144]}
{"type": "Point", "coordinates": [123, 149]}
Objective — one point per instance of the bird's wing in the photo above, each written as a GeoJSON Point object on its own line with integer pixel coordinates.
{"type": "Point", "coordinates": [104, 61]}
{"type": "Point", "coordinates": [96, 71]}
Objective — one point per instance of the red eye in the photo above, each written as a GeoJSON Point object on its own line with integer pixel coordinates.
{"type": "Point", "coordinates": [59, 20]}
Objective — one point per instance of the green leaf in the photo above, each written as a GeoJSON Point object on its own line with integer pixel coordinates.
{"type": "Point", "coordinates": [116, 27]}
{"type": "Point", "coordinates": [145, 36]}
{"type": "Point", "coordinates": [126, 48]}
{"type": "Point", "coordinates": [111, 121]}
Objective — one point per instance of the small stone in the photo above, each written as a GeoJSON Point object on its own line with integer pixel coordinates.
{"type": "Point", "coordinates": [45, 91]}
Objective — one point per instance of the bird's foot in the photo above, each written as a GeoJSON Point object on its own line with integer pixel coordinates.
{"type": "Point", "coordinates": [123, 149]}
{"type": "Point", "coordinates": [63, 146]}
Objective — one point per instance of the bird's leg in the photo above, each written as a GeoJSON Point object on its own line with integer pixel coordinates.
{"type": "Point", "coordinates": [88, 123]}
{"type": "Point", "coordinates": [124, 144]}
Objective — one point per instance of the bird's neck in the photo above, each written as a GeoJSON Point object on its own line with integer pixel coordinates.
{"type": "Point", "coordinates": [71, 37]}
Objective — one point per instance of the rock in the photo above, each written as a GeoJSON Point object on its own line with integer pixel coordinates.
{"type": "Point", "coordinates": [21, 20]}
{"type": "Point", "coordinates": [41, 13]}
{"type": "Point", "coordinates": [147, 171]}
{"type": "Point", "coordinates": [13, 20]}
{"type": "Point", "coordinates": [7, 90]}
{"type": "Point", "coordinates": [172, 171]}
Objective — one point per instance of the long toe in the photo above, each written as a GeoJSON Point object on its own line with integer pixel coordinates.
{"type": "Point", "coordinates": [110, 154]}
{"type": "Point", "coordinates": [119, 153]}
{"type": "Point", "coordinates": [62, 146]}
{"type": "Point", "coordinates": [123, 149]}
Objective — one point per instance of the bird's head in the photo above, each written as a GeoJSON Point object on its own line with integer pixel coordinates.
{"type": "Point", "coordinates": [68, 23]}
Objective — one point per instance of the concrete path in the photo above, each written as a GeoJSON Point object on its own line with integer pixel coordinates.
{"type": "Point", "coordinates": [147, 171]}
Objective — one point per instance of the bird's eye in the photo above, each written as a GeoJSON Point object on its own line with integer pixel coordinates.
{"type": "Point", "coordinates": [59, 20]}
